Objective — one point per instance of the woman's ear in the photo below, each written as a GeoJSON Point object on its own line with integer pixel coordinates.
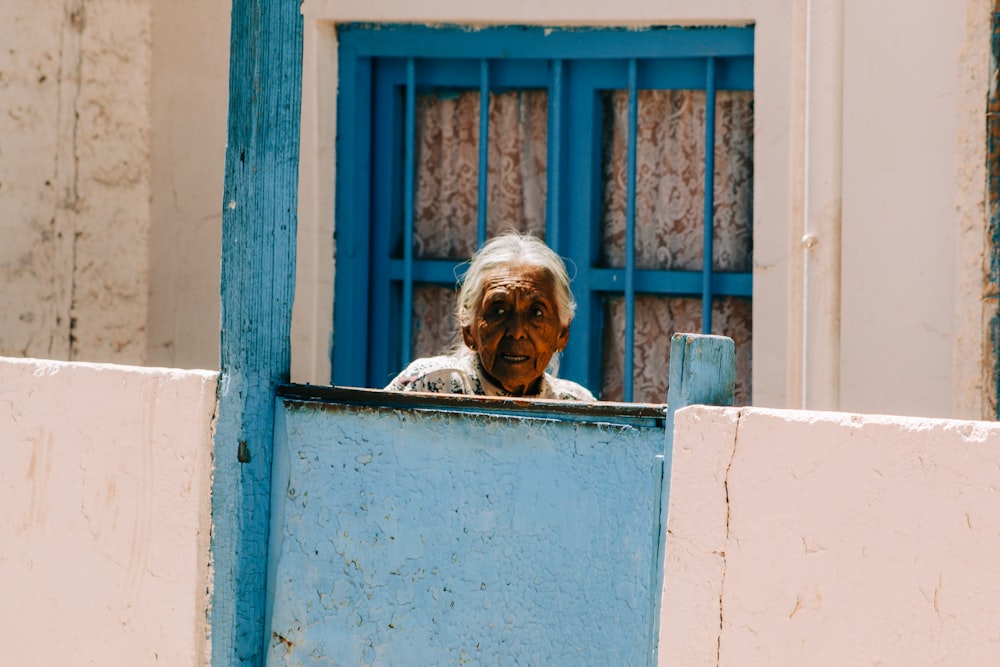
{"type": "Point", "coordinates": [563, 339]}
{"type": "Point", "coordinates": [470, 342]}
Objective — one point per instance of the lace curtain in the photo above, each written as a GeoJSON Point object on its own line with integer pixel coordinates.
{"type": "Point", "coordinates": [669, 212]}
{"type": "Point", "coordinates": [447, 185]}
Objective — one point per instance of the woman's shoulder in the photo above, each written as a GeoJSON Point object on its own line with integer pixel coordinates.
{"type": "Point", "coordinates": [448, 374]}
{"type": "Point", "coordinates": [567, 390]}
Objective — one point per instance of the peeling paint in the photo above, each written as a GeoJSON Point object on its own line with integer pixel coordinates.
{"type": "Point", "coordinates": [993, 174]}
{"type": "Point", "coordinates": [452, 537]}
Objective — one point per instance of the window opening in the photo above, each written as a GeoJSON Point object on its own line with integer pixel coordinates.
{"type": "Point", "coordinates": [593, 140]}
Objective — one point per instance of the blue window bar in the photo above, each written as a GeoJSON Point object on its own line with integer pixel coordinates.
{"type": "Point", "coordinates": [383, 71]}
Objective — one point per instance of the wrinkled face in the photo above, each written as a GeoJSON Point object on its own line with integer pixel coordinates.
{"type": "Point", "coordinates": [515, 328]}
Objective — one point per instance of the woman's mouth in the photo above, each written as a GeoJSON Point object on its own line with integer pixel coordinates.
{"type": "Point", "coordinates": [513, 358]}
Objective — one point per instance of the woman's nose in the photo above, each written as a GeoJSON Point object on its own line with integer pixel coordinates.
{"type": "Point", "coordinates": [515, 326]}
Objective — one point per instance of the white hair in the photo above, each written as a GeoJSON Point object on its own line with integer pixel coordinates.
{"type": "Point", "coordinates": [504, 250]}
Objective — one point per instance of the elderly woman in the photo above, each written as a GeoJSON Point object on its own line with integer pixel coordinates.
{"type": "Point", "coordinates": [514, 308]}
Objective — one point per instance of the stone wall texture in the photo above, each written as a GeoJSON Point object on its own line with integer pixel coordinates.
{"type": "Point", "coordinates": [75, 179]}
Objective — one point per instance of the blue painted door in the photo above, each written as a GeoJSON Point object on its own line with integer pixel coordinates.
{"type": "Point", "coordinates": [447, 531]}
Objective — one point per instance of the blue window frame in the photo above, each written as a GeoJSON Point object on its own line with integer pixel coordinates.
{"type": "Point", "coordinates": [382, 69]}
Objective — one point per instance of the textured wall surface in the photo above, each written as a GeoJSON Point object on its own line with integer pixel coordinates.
{"type": "Point", "coordinates": [104, 514]}
{"type": "Point", "coordinates": [808, 538]}
{"type": "Point", "coordinates": [432, 538]}
{"type": "Point", "coordinates": [74, 179]}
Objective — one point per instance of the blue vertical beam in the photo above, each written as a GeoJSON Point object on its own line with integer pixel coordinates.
{"type": "Point", "coordinates": [581, 361]}
{"type": "Point", "coordinates": [633, 135]}
{"type": "Point", "coordinates": [408, 204]}
{"type": "Point", "coordinates": [706, 270]}
{"type": "Point", "coordinates": [351, 342]}
{"type": "Point", "coordinates": [484, 149]}
{"type": "Point", "coordinates": [383, 114]}
{"type": "Point", "coordinates": [258, 283]}
{"type": "Point", "coordinates": [554, 213]}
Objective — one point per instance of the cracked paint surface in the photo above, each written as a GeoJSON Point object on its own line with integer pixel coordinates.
{"type": "Point", "coordinates": [850, 539]}
{"type": "Point", "coordinates": [422, 537]}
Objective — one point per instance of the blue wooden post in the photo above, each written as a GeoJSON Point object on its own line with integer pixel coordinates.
{"type": "Point", "coordinates": [702, 372]}
{"type": "Point", "coordinates": [258, 284]}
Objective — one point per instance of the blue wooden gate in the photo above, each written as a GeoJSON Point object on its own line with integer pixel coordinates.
{"type": "Point", "coordinates": [421, 529]}
{"type": "Point", "coordinates": [447, 531]}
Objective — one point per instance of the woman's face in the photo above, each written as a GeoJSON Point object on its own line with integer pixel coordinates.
{"type": "Point", "coordinates": [515, 328]}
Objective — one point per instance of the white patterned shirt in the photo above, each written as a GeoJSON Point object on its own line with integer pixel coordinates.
{"type": "Point", "coordinates": [463, 374]}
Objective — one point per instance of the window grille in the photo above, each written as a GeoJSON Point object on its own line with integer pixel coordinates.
{"type": "Point", "coordinates": [589, 116]}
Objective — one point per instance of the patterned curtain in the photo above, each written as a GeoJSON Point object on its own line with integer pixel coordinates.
{"type": "Point", "coordinates": [447, 183]}
{"type": "Point", "coordinates": [669, 211]}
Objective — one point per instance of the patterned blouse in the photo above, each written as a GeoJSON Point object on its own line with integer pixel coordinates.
{"type": "Point", "coordinates": [463, 374]}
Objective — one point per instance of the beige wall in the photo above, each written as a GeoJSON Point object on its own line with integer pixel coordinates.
{"type": "Point", "coordinates": [104, 514]}
{"type": "Point", "coordinates": [914, 209]}
{"type": "Point", "coordinates": [811, 538]}
{"type": "Point", "coordinates": [189, 109]}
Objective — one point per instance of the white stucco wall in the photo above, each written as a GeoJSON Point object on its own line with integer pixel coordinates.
{"type": "Point", "coordinates": [914, 156]}
{"type": "Point", "coordinates": [811, 538]}
{"type": "Point", "coordinates": [104, 514]}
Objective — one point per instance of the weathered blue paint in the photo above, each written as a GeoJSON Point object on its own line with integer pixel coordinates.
{"type": "Point", "coordinates": [702, 372]}
{"type": "Point", "coordinates": [258, 270]}
{"type": "Point", "coordinates": [429, 537]}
